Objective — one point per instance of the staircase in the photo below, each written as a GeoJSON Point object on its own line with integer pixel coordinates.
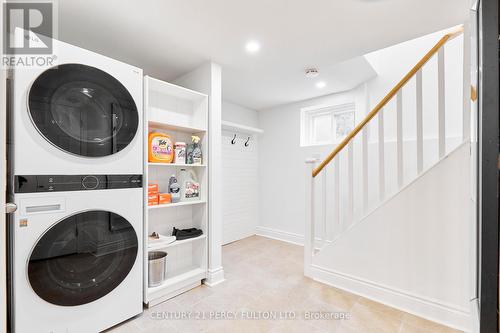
{"type": "Point", "coordinates": [409, 247]}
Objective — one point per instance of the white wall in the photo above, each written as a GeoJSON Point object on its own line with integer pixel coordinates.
{"type": "Point", "coordinates": [240, 197]}
{"type": "Point", "coordinates": [413, 251]}
{"type": "Point", "coordinates": [239, 114]}
{"type": "Point", "coordinates": [281, 159]}
{"type": "Point", "coordinates": [282, 167]}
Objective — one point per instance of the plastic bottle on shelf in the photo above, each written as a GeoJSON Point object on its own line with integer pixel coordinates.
{"type": "Point", "coordinates": [194, 152]}
{"type": "Point", "coordinates": [190, 187]}
{"type": "Point", "coordinates": [180, 152]}
{"type": "Point", "coordinates": [174, 189]}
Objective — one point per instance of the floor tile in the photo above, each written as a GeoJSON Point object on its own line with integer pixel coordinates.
{"type": "Point", "coordinates": [266, 276]}
{"type": "Point", "coordinates": [367, 320]}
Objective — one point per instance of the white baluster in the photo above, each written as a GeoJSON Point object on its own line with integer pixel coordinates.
{"type": "Point", "coordinates": [310, 218]}
{"type": "Point", "coordinates": [324, 180]}
{"type": "Point", "coordinates": [441, 105]}
{"type": "Point", "coordinates": [381, 155]}
{"type": "Point", "coordinates": [366, 135]}
{"type": "Point", "coordinates": [336, 196]}
{"type": "Point", "coordinates": [467, 84]}
{"type": "Point", "coordinates": [420, 127]}
{"type": "Point", "coordinates": [350, 185]}
{"type": "Point", "coordinates": [399, 136]}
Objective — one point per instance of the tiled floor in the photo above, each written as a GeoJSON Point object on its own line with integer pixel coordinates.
{"type": "Point", "coordinates": [264, 277]}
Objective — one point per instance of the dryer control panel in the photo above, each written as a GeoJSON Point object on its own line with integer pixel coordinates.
{"type": "Point", "coordinates": [59, 183]}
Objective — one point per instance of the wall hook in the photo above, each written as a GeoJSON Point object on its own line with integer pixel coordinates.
{"type": "Point", "coordinates": [233, 141]}
{"type": "Point", "coordinates": [246, 143]}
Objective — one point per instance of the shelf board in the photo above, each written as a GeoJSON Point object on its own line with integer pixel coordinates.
{"type": "Point", "coordinates": [178, 204]}
{"type": "Point", "coordinates": [192, 273]}
{"type": "Point", "coordinates": [230, 126]}
{"type": "Point", "coordinates": [159, 245]}
{"type": "Point", "coordinates": [173, 90]}
{"type": "Point", "coordinates": [180, 165]}
{"type": "Point", "coordinates": [176, 128]}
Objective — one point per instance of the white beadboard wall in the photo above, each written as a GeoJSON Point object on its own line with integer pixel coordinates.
{"type": "Point", "coordinates": [240, 202]}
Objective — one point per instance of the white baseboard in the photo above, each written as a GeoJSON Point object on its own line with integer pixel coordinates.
{"type": "Point", "coordinates": [419, 306]}
{"type": "Point", "coordinates": [281, 235]}
{"type": "Point", "coordinates": [286, 236]}
{"type": "Point", "coordinates": [214, 277]}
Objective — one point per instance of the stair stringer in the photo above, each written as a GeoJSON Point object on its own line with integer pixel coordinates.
{"type": "Point", "coordinates": [413, 252]}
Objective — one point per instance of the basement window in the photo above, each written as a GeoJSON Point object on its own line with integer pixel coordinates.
{"type": "Point", "coordinates": [324, 125]}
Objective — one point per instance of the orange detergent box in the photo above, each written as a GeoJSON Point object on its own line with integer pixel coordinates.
{"type": "Point", "coordinates": [153, 199]}
{"type": "Point", "coordinates": [152, 189]}
{"type": "Point", "coordinates": [164, 198]}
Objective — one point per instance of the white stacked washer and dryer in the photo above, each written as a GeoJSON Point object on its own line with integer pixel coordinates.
{"type": "Point", "coordinates": [76, 178]}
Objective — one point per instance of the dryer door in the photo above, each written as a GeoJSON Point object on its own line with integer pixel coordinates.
{"type": "Point", "coordinates": [82, 258]}
{"type": "Point", "coordinates": [83, 110]}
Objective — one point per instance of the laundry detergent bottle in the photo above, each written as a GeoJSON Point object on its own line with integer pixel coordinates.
{"type": "Point", "coordinates": [160, 148]}
{"type": "Point", "coordinates": [190, 187]}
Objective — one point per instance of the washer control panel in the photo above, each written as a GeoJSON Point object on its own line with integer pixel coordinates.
{"type": "Point", "coordinates": [58, 183]}
{"type": "Point", "coordinates": [90, 182]}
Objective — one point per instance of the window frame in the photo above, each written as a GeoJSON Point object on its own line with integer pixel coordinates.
{"type": "Point", "coordinates": [308, 114]}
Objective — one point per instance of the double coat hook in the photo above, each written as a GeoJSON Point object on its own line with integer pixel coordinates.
{"type": "Point", "coordinates": [247, 142]}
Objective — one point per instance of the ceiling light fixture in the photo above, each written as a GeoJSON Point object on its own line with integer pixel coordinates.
{"type": "Point", "coordinates": [252, 46]}
{"type": "Point", "coordinates": [320, 84]}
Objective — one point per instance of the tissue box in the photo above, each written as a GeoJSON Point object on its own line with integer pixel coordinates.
{"type": "Point", "coordinates": [152, 199]}
{"type": "Point", "coordinates": [152, 189]}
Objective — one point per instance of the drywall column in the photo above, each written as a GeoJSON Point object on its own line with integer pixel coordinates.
{"type": "Point", "coordinates": [208, 79]}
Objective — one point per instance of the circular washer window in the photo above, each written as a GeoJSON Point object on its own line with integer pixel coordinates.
{"type": "Point", "coordinates": [83, 110]}
{"type": "Point", "coordinates": [82, 258]}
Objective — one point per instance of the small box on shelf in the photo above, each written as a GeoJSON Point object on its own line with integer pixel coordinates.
{"type": "Point", "coordinates": [153, 199]}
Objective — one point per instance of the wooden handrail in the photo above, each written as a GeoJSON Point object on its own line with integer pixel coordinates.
{"type": "Point", "coordinates": [388, 97]}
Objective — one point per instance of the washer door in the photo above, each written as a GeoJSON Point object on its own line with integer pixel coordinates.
{"type": "Point", "coordinates": [82, 258]}
{"type": "Point", "coordinates": [83, 110]}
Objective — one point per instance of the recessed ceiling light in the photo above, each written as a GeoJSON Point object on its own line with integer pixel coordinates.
{"type": "Point", "coordinates": [320, 84]}
{"type": "Point", "coordinates": [252, 46]}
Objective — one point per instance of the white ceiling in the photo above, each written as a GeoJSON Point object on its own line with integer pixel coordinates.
{"type": "Point", "coordinates": [168, 38]}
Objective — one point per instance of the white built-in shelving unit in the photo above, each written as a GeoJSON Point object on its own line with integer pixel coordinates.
{"type": "Point", "coordinates": [180, 113]}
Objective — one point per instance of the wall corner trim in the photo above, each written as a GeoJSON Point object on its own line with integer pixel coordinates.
{"type": "Point", "coordinates": [214, 277]}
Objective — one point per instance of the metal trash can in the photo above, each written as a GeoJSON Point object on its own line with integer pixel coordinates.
{"type": "Point", "coordinates": [156, 267]}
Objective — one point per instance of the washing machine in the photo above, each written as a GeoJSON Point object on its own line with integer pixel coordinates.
{"type": "Point", "coordinates": [76, 253]}
{"type": "Point", "coordinates": [81, 116]}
